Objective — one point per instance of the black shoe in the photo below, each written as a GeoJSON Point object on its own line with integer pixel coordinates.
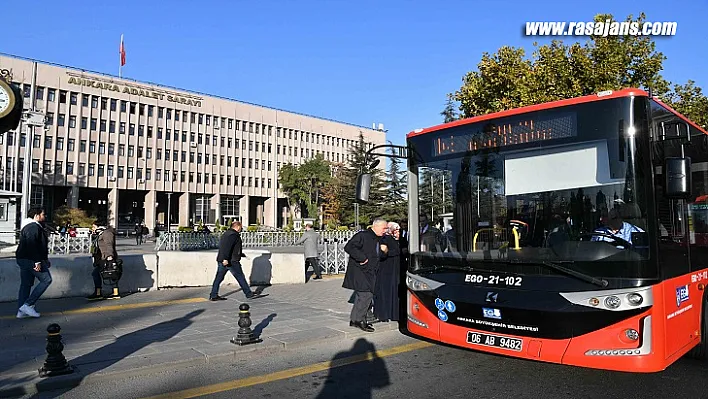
{"type": "Point", "coordinates": [254, 296]}
{"type": "Point", "coordinates": [217, 298]}
{"type": "Point", "coordinates": [94, 297]}
{"type": "Point", "coordinates": [372, 320]}
{"type": "Point", "coordinates": [317, 278]}
{"type": "Point", "coordinates": [361, 325]}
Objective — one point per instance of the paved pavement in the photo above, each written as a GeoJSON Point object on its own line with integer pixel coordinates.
{"type": "Point", "coordinates": [167, 328]}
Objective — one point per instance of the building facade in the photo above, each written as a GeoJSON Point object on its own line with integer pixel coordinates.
{"type": "Point", "coordinates": [140, 152]}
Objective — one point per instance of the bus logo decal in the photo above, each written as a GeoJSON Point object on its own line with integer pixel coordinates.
{"type": "Point", "coordinates": [681, 295]}
{"type": "Point", "coordinates": [491, 313]}
{"type": "Point", "coordinates": [492, 296]}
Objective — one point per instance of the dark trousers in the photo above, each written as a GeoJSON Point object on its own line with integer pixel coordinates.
{"type": "Point", "coordinates": [98, 279]}
{"type": "Point", "coordinates": [139, 239]}
{"type": "Point", "coordinates": [361, 305]}
{"type": "Point", "coordinates": [27, 276]}
{"type": "Point", "coordinates": [237, 271]}
{"type": "Point", "coordinates": [315, 266]}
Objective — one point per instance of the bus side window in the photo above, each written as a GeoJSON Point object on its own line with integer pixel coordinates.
{"type": "Point", "coordinates": [672, 234]}
{"type": "Point", "coordinates": [698, 204]}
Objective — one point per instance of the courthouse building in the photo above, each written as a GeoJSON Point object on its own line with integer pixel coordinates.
{"type": "Point", "coordinates": [132, 151]}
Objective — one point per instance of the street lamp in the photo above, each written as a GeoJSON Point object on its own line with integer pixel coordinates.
{"type": "Point", "coordinates": [169, 209]}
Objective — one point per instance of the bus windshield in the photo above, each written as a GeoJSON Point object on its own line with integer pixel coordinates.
{"type": "Point", "coordinates": [566, 186]}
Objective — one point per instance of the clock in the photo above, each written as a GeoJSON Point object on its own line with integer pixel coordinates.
{"type": "Point", "coordinates": [7, 98]}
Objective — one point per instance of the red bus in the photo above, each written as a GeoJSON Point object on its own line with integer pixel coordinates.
{"type": "Point", "coordinates": [578, 230]}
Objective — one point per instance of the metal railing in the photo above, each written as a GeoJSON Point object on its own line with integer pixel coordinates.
{"type": "Point", "coordinates": [175, 241]}
{"type": "Point", "coordinates": [66, 245]}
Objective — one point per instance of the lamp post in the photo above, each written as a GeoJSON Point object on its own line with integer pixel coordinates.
{"type": "Point", "coordinates": [169, 209]}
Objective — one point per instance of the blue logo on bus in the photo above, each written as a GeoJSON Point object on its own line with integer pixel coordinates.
{"type": "Point", "coordinates": [442, 315]}
{"type": "Point", "coordinates": [681, 295]}
{"type": "Point", "coordinates": [439, 304]}
{"type": "Point", "coordinates": [450, 306]}
{"type": "Point", "coordinates": [491, 313]}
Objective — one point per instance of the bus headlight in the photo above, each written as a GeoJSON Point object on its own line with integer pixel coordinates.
{"type": "Point", "coordinates": [635, 299]}
{"type": "Point", "coordinates": [418, 283]}
{"type": "Point", "coordinates": [613, 302]}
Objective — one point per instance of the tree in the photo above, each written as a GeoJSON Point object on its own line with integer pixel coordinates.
{"type": "Point", "coordinates": [358, 163]}
{"type": "Point", "coordinates": [292, 186]}
{"type": "Point", "coordinates": [507, 79]}
{"type": "Point", "coordinates": [690, 101]}
{"type": "Point", "coordinates": [314, 175]}
{"type": "Point", "coordinates": [449, 113]}
{"type": "Point", "coordinates": [332, 197]}
{"type": "Point", "coordinates": [74, 216]}
{"type": "Point", "coordinates": [396, 208]}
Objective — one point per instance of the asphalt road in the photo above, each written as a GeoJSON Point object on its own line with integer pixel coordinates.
{"type": "Point", "coordinates": [407, 369]}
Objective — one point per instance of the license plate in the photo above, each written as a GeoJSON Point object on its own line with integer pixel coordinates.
{"type": "Point", "coordinates": [512, 344]}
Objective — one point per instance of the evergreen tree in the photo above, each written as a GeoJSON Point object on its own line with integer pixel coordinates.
{"type": "Point", "coordinates": [359, 163]}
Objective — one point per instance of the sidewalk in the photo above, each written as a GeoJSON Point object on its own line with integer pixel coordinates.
{"type": "Point", "coordinates": [167, 328]}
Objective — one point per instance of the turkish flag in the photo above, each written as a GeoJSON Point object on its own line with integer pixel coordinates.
{"type": "Point", "coordinates": [122, 51]}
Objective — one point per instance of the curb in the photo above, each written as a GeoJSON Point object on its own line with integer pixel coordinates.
{"type": "Point", "coordinates": [34, 384]}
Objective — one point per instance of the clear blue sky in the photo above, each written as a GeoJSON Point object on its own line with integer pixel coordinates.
{"type": "Point", "coordinates": [353, 61]}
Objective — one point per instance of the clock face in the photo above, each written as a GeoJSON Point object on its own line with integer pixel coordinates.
{"type": "Point", "coordinates": [5, 99]}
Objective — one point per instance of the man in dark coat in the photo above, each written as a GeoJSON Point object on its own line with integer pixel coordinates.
{"type": "Point", "coordinates": [229, 259]}
{"type": "Point", "coordinates": [364, 251]}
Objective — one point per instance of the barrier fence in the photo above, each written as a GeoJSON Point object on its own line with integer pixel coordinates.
{"type": "Point", "coordinates": [333, 259]}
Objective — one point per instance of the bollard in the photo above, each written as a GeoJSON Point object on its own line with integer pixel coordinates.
{"type": "Point", "coordinates": [245, 334]}
{"type": "Point", "coordinates": [56, 363]}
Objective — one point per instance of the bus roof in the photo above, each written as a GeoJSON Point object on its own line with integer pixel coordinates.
{"type": "Point", "coordinates": [605, 95]}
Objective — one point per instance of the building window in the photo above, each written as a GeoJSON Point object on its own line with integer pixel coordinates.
{"type": "Point", "coordinates": [82, 169]}
{"type": "Point", "coordinates": [49, 118]}
{"type": "Point", "coordinates": [140, 152]}
{"type": "Point", "coordinates": [121, 128]}
{"type": "Point", "coordinates": [58, 167]}
{"type": "Point", "coordinates": [101, 170]}
{"type": "Point", "coordinates": [47, 167]}
{"type": "Point", "coordinates": [123, 106]}
{"type": "Point", "coordinates": [72, 121]}
{"type": "Point", "coordinates": [72, 145]}
{"type": "Point", "coordinates": [48, 142]}
{"type": "Point", "coordinates": [60, 143]}
{"type": "Point", "coordinates": [141, 130]}
{"type": "Point", "coordinates": [69, 168]}
{"type": "Point", "coordinates": [149, 132]}
{"type": "Point", "coordinates": [148, 153]}
{"type": "Point", "coordinates": [73, 98]}
{"type": "Point", "coordinates": [111, 148]}
{"type": "Point", "coordinates": [51, 95]}
{"type": "Point", "coordinates": [131, 130]}
{"type": "Point", "coordinates": [139, 174]}
{"type": "Point", "coordinates": [112, 127]}
{"type": "Point", "coordinates": [131, 150]}
{"type": "Point", "coordinates": [103, 125]}
{"type": "Point", "coordinates": [35, 165]}
{"type": "Point", "coordinates": [92, 169]}
{"type": "Point", "coordinates": [121, 150]}
{"type": "Point", "coordinates": [158, 155]}
{"type": "Point", "coordinates": [37, 141]}
{"type": "Point", "coordinates": [148, 174]}
{"type": "Point", "coordinates": [182, 176]}
{"type": "Point", "coordinates": [94, 102]}
{"type": "Point", "coordinates": [82, 146]}
{"type": "Point", "coordinates": [158, 174]}
{"type": "Point", "coordinates": [121, 170]}
{"type": "Point", "coordinates": [113, 104]}
{"type": "Point", "coordinates": [60, 120]}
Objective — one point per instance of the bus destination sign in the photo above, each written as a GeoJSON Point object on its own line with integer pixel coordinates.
{"type": "Point", "coordinates": [508, 132]}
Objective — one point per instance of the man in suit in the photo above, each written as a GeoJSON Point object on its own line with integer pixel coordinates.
{"type": "Point", "coordinates": [229, 259]}
{"type": "Point", "coordinates": [364, 251]}
{"type": "Point", "coordinates": [310, 238]}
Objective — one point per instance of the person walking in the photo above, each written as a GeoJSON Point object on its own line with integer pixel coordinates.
{"type": "Point", "coordinates": [103, 250]}
{"type": "Point", "coordinates": [386, 303]}
{"type": "Point", "coordinates": [310, 238]}
{"type": "Point", "coordinates": [364, 250]}
{"type": "Point", "coordinates": [229, 259]}
{"type": "Point", "coordinates": [138, 234]}
{"type": "Point", "coordinates": [32, 256]}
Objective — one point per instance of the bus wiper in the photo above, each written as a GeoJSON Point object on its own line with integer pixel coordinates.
{"type": "Point", "coordinates": [580, 276]}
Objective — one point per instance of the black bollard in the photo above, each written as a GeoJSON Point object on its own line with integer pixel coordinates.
{"type": "Point", "coordinates": [56, 363]}
{"type": "Point", "coordinates": [245, 334]}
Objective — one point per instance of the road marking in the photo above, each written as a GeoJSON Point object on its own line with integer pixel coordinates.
{"type": "Point", "coordinates": [289, 373]}
{"type": "Point", "coordinates": [97, 309]}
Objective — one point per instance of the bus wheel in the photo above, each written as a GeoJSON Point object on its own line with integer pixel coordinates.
{"type": "Point", "coordinates": [701, 350]}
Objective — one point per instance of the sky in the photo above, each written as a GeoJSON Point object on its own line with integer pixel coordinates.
{"type": "Point", "coordinates": [360, 62]}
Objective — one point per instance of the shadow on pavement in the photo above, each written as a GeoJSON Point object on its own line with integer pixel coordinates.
{"type": "Point", "coordinates": [121, 348]}
{"type": "Point", "coordinates": [356, 380]}
{"type": "Point", "coordinates": [258, 329]}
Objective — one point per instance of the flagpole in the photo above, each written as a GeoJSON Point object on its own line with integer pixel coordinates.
{"type": "Point", "coordinates": [120, 58]}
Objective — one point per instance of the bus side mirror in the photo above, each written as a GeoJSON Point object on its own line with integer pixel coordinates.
{"type": "Point", "coordinates": [677, 172]}
{"type": "Point", "coordinates": [363, 184]}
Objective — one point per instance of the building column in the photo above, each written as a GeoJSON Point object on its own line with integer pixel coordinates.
{"type": "Point", "coordinates": [150, 205]}
{"type": "Point", "coordinates": [113, 207]}
{"type": "Point", "coordinates": [216, 206]}
{"type": "Point", "coordinates": [184, 213]}
{"type": "Point", "coordinates": [270, 207]}
{"type": "Point", "coordinates": [244, 205]}
{"type": "Point", "coordinates": [72, 199]}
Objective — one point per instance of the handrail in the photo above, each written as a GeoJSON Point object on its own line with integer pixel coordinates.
{"type": "Point", "coordinates": [513, 230]}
